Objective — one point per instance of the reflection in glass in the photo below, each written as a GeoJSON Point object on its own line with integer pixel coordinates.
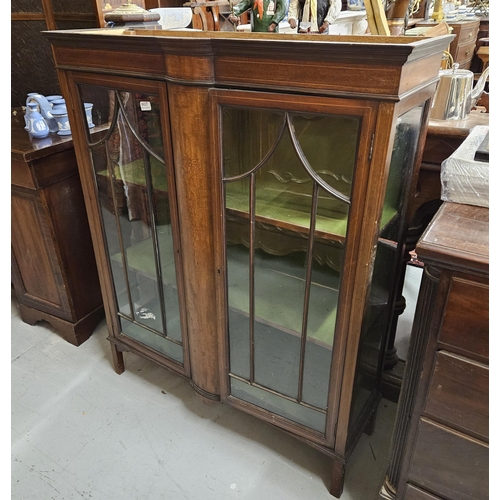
{"type": "Point", "coordinates": [378, 311]}
{"type": "Point", "coordinates": [287, 181]}
{"type": "Point", "coordinates": [131, 179]}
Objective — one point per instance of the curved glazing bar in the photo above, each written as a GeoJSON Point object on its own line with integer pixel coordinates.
{"type": "Point", "coordinates": [110, 130]}
{"type": "Point", "coordinates": [268, 155]}
{"type": "Point", "coordinates": [329, 189]}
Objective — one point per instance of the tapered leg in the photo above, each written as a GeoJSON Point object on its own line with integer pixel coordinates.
{"type": "Point", "coordinates": [117, 356]}
{"type": "Point", "coordinates": [338, 474]}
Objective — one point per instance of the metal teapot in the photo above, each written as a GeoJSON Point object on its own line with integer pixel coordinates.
{"type": "Point", "coordinates": [455, 94]}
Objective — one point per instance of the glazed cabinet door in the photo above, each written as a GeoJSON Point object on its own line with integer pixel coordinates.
{"type": "Point", "coordinates": [129, 165]}
{"type": "Point", "coordinates": [388, 268]}
{"type": "Point", "coordinates": [294, 173]}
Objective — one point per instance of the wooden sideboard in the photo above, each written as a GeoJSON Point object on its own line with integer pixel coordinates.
{"type": "Point", "coordinates": [248, 207]}
{"type": "Point", "coordinates": [440, 441]}
{"type": "Point", "coordinates": [53, 265]}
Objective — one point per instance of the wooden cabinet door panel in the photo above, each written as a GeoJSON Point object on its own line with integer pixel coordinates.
{"type": "Point", "coordinates": [450, 464]}
{"type": "Point", "coordinates": [35, 268]}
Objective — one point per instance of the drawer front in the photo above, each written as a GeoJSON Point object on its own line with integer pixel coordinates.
{"type": "Point", "coordinates": [20, 174]}
{"type": "Point", "coordinates": [458, 394]}
{"type": "Point", "coordinates": [413, 493]}
{"type": "Point", "coordinates": [465, 53]}
{"type": "Point", "coordinates": [468, 34]}
{"type": "Point", "coordinates": [450, 464]}
{"type": "Point", "coordinates": [466, 319]}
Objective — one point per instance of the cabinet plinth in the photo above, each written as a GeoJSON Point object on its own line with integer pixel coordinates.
{"type": "Point", "coordinates": [260, 183]}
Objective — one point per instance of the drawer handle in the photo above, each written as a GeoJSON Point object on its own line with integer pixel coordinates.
{"type": "Point", "coordinates": [470, 35]}
{"type": "Point", "coordinates": [467, 53]}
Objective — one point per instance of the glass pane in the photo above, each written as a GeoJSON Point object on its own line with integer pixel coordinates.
{"type": "Point", "coordinates": [377, 315]}
{"type": "Point", "coordinates": [279, 305]}
{"type": "Point", "coordinates": [133, 190]}
{"type": "Point", "coordinates": [152, 340]}
{"type": "Point", "coordinates": [238, 281]}
{"type": "Point", "coordinates": [284, 407]}
{"type": "Point", "coordinates": [283, 282]}
{"type": "Point", "coordinates": [321, 322]}
{"type": "Point", "coordinates": [402, 159]}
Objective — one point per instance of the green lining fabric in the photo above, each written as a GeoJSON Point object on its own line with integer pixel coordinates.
{"type": "Point", "coordinates": [138, 256]}
{"type": "Point", "coordinates": [271, 206]}
{"type": "Point", "coordinates": [133, 173]}
{"type": "Point", "coordinates": [270, 203]}
{"type": "Point", "coordinates": [279, 297]}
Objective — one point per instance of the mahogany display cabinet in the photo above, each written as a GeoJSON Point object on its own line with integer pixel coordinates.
{"type": "Point", "coordinates": [248, 207]}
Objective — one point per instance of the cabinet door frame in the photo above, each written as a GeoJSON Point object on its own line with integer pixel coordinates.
{"type": "Point", "coordinates": [350, 285]}
{"type": "Point", "coordinates": [70, 81]}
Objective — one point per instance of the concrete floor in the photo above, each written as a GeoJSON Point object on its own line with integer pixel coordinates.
{"type": "Point", "coordinates": [79, 431]}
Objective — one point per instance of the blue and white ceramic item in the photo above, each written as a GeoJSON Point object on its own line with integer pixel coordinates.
{"type": "Point", "coordinates": [88, 112]}
{"type": "Point", "coordinates": [60, 113]}
{"type": "Point", "coordinates": [27, 111]}
{"type": "Point", "coordinates": [58, 104]}
{"type": "Point", "coordinates": [45, 109]}
{"type": "Point", "coordinates": [355, 5]}
{"type": "Point", "coordinates": [37, 126]}
{"type": "Point", "coordinates": [52, 98]}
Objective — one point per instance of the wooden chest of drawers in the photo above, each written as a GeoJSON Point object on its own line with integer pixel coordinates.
{"type": "Point", "coordinates": [463, 46]}
{"type": "Point", "coordinates": [440, 443]}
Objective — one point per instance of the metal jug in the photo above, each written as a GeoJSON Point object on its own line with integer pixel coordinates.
{"type": "Point", "coordinates": [455, 94]}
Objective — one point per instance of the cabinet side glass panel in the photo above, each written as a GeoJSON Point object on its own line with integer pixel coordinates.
{"type": "Point", "coordinates": [133, 193]}
{"type": "Point", "coordinates": [378, 312]}
{"type": "Point", "coordinates": [284, 251]}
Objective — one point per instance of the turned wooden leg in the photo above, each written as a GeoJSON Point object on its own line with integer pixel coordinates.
{"type": "Point", "coordinates": [117, 355]}
{"type": "Point", "coordinates": [338, 475]}
{"type": "Point", "coordinates": [370, 424]}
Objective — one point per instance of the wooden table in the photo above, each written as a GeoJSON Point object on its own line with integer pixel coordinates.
{"type": "Point", "coordinates": [440, 439]}
{"type": "Point", "coordinates": [53, 266]}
